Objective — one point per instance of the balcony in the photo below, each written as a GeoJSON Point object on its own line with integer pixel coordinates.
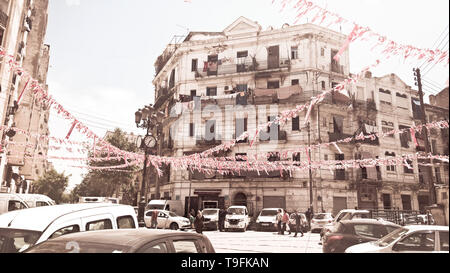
{"type": "Point", "coordinates": [203, 142]}
{"type": "Point", "coordinates": [368, 175]}
{"type": "Point", "coordinates": [246, 67]}
{"type": "Point", "coordinates": [242, 175]}
{"type": "Point", "coordinates": [337, 136]}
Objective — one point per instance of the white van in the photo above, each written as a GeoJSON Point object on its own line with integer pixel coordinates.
{"type": "Point", "coordinates": [22, 229]}
{"type": "Point", "coordinates": [169, 205]}
{"type": "Point", "coordinates": [237, 218]}
{"type": "Point", "coordinates": [111, 200]}
{"type": "Point", "coordinates": [15, 201]}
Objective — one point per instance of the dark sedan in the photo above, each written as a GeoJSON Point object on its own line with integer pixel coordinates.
{"type": "Point", "coordinates": [352, 232]}
{"type": "Point", "coordinates": [127, 241]}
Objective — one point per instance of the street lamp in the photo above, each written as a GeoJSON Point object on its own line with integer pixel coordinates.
{"type": "Point", "coordinates": [147, 118]}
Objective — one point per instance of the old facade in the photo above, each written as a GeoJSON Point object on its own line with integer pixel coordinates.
{"type": "Point", "coordinates": [26, 28]}
{"type": "Point", "coordinates": [266, 73]}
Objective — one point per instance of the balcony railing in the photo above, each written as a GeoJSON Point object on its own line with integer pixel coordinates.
{"type": "Point", "coordinates": [245, 175]}
{"type": "Point", "coordinates": [204, 142]}
{"type": "Point", "coordinates": [248, 66]}
{"type": "Point", "coordinates": [337, 136]}
{"type": "Point", "coordinates": [282, 136]}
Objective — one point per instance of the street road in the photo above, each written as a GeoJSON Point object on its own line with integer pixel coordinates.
{"type": "Point", "coordinates": [263, 242]}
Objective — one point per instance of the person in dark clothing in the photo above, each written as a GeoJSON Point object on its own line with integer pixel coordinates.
{"type": "Point", "coordinates": [308, 215]}
{"type": "Point", "coordinates": [298, 222]}
{"type": "Point", "coordinates": [198, 223]}
{"type": "Point", "coordinates": [278, 218]}
{"type": "Point", "coordinates": [222, 216]}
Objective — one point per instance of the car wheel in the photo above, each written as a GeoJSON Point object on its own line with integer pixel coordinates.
{"type": "Point", "coordinates": [174, 226]}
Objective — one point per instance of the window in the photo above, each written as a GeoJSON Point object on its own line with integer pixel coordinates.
{"type": "Point", "coordinates": [194, 65]}
{"type": "Point", "coordinates": [434, 147]}
{"type": "Point", "coordinates": [295, 82]}
{"type": "Point", "coordinates": [296, 157]}
{"type": "Point", "coordinates": [241, 127]}
{"type": "Point", "coordinates": [191, 129]}
{"type": "Point", "coordinates": [273, 84]}
{"type": "Point", "coordinates": [210, 130]}
{"type": "Point", "coordinates": [242, 87]}
{"type": "Point", "coordinates": [242, 54]}
{"type": "Point", "coordinates": [296, 124]}
{"type": "Point", "coordinates": [294, 52]}
{"type": "Point", "coordinates": [406, 202]}
{"type": "Point", "coordinates": [99, 225]}
{"type": "Point", "coordinates": [401, 95]}
{"type": "Point", "coordinates": [125, 222]}
{"type": "Point", "coordinates": [437, 171]}
{"type": "Point", "coordinates": [338, 125]}
{"type": "Point", "coordinates": [419, 241]}
{"type": "Point", "coordinates": [211, 91]}
{"type": "Point", "coordinates": [443, 238]}
{"type": "Point", "coordinates": [41, 204]}
{"type": "Point", "coordinates": [154, 248]}
{"type": "Point", "coordinates": [367, 230]}
{"type": "Point", "coordinates": [323, 85]}
{"type": "Point", "coordinates": [391, 168]}
{"type": "Point", "coordinates": [405, 137]}
{"type": "Point", "coordinates": [185, 247]}
{"type": "Point", "coordinates": [406, 169]}
{"type": "Point", "coordinates": [65, 230]}
{"type": "Point", "coordinates": [275, 156]}
{"type": "Point", "coordinates": [212, 65]}
{"type": "Point", "coordinates": [193, 94]}
{"type": "Point", "coordinates": [384, 91]}
{"type": "Point", "coordinates": [339, 174]}
{"type": "Point", "coordinates": [15, 205]}
{"type": "Point", "coordinates": [387, 127]}
{"type": "Point", "coordinates": [322, 51]}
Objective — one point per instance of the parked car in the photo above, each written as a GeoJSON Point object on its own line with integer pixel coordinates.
{"type": "Point", "coordinates": [352, 232]}
{"type": "Point", "coordinates": [127, 241]}
{"type": "Point", "coordinates": [22, 229]}
{"type": "Point", "coordinates": [319, 220]}
{"type": "Point", "coordinates": [304, 223]}
{"type": "Point", "coordinates": [408, 239]}
{"type": "Point", "coordinates": [345, 214]}
{"type": "Point", "coordinates": [237, 218]}
{"type": "Point", "coordinates": [91, 199]}
{"type": "Point", "coordinates": [167, 220]}
{"type": "Point", "coordinates": [15, 201]}
{"type": "Point", "coordinates": [267, 219]}
{"type": "Point", "coordinates": [210, 219]}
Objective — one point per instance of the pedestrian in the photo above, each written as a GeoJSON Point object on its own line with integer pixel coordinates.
{"type": "Point", "coordinates": [192, 217]}
{"type": "Point", "coordinates": [279, 217]}
{"type": "Point", "coordinates": [285, 220]}
{"type": "Point", "coordinates": [308, 215]}
{"type": "Point", "coordinates": [154, 219]}
{"type": "Point", "coordinates": [298, 223]}
{"type": "Point", "coordinates": [198, 223]}
{"type": "Point", "coordinates": [222, 216]}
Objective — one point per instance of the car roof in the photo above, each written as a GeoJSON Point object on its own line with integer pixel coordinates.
{"type": "Point", "coordinates": [39, 218]}
{"type": "Point", "coordinates": [355, 210]}
{"type": "Point", "coordinates": [133, 238]}
{"type": "Point", "coordinates": [240, 207]}
{"type": "Point", "coordinates": [426, 227]}
{"type": "Point", "coordinates": [368, 221]}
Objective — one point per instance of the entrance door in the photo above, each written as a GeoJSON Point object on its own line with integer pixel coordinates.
{"type": "Point", "coordinates": [274, 202]}
{"type": "Point", "coordinates": [339, 203]}
{"type": "Point", "coordinates": [273, 57]}
{"type": "Point", "coordinates": [194, 204]}
{"type": "Point", "coordinates": [240, 199]}
{"type": "Point", "coordinates": [387, 201]}
{"type": "Point", "coordinates": [423, 202]}
{"type": "Point", "coordinates": [406, 202]}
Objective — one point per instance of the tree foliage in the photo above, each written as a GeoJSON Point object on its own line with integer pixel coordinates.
{"type": "Point", "coordinates": [107, 183]}
{"type": "Point", "coordinates": [52, 184]}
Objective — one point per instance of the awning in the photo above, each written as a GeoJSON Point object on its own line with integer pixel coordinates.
{"type": "Point", "coordinates": [207, 191]}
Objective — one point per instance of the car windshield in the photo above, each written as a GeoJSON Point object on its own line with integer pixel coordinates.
{"type": "Point", "coordinates": [239, 211]}
{"type": "Point", "coordinates": [322, 216]}
{"type": "Point", "coordinates": [209, 212]}
{"type": "Point", "coordinates": [64, 246]}
{"type": "Point", "coordinates": [14, 241]}
{"type": "Point", "coordinates": [268, 212]}
{"type": "Point", "coordinates": [161, 207]}
{"type": "Point", "coordinates": [391, 237]}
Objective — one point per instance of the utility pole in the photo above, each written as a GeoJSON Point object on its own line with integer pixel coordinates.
{"type": "Point", "coordinates": [310, 171]}
{"type": "Point", "coordinates": [432, 192]}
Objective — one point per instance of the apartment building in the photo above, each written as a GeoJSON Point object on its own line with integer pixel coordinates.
{"type": "Point", "coordinates": [26, 27]}
{"type": "Point", "coordinates": [215, 85]}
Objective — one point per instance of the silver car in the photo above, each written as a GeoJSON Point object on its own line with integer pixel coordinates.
{"type": "Point", "coordinates": [319, 220]}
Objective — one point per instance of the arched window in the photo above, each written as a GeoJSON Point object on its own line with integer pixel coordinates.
{"type": "Point", "coordinates": [390, 168]}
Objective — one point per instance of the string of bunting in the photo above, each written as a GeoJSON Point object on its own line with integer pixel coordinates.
{"type": "Point", "coordinates": [389, 47]}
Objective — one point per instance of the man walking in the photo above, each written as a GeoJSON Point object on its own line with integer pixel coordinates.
{"type": "Point", "coordinates": [285, 220]}
{"type": "Point", "coordinates": [279, 217]}
{"type": "Point", "coordinates": [198, 223]}
{"type": "Point", "coordinates": [308, 215]}
{"type": "Point", "coordinates": [298, 223]}
{"type": "Point", "coordinates": [154, 219]}
{"type": "Point", "coordinates": [222, 216]}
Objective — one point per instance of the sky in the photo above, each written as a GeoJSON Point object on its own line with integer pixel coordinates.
{"type": "Point", "coordinates": [102, 52]}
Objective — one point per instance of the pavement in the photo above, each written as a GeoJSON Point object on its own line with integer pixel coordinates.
{"type": "Point", "coordinates": [263, 242]}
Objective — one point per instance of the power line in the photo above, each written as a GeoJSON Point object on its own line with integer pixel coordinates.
{"type": "Point", "coordinates": [432, 84]}
{"type": "Point", "coordinates": [434, 63]}
{"type": "Point", "coordinates": [95, 116]}
{"type": "Point", "coordinates": [434, 44]}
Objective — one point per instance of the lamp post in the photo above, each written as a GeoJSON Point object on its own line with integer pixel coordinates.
{"type": "Point", "coordinates": [147, 118]}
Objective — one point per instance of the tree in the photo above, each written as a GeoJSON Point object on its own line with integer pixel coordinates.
{"type": "Point", "coordinates": [52, 184]}
{"type": "Point", "coordinates": [106, 183]}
